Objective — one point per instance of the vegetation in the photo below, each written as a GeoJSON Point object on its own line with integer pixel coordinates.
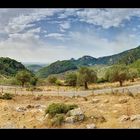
{"type": "Point", "coordinates": [55, 68]}
{"type": "Point", "coordinates": [57, 120]}
{"type": "Point", "coordinates": [6, 96]}
{"type": "Point", "coordinates": [58, 108]}
{"type": "Point", "coordinates": [133, 73]}
{"type": "Point", "coordinates": [117, 73]}
{"type": "Point", "coordinates": [51, 79]}
{"type": "Point", "coordinates": [85, 76]}
{"type": "Point", "coordinates": [10, 66]}
{"type": "Point", "coordinates": [71, 79]}
{"type": "Point", "coordinates": [34, 68]}
{"type": "Point", "coordinates": [23, 77]}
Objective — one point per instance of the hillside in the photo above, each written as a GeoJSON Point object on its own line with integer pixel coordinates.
{"type": "Point", "coordinates": [126, 57]}
{"type": "Point", "coordinates": [55, 68]}
{"type": "Point", "coordinates": [34, 68]}
{"type": "Point", "coordinates": [10, 66]}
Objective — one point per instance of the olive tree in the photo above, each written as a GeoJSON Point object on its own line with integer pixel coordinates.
{"type": "Point", "coordinates": [71, 79]}
{"type": "Point", "coordinates": [133, 73]}
{"type": "Point", "coordinates": [85, 76]}
{"type": "Point", "coordinates": [23, 77]}
{"type": "Point", "coordinates": [117, 73]}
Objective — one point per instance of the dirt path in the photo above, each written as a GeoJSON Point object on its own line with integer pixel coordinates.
{"type": "Point", "coordinates": [132, 89]}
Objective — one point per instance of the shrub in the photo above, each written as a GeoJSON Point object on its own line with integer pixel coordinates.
{"type": "Point", "coordinates": [51, 79]}
{"type": "Point", "coordinates": [6, 96]}
{"type": "Point", "coordinates": [57, 120]}
{"type": "Point", "coordinates": [58, 108]}
{"type": "Point", "coordinates": [71, 79]}
{"type": "Point", "coordinates": [58, 83]}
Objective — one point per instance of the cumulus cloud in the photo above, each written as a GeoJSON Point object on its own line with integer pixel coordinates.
{"type": "Point", "coordinates": [107, 17]}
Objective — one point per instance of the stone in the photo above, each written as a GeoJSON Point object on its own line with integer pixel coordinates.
{"type": "Point", "coordinates": [123, 100]}
{"type": "Point", "coordinates": [20, 109]}
{"type": "Point", "coordinates": [91, 126]}
{"type": "Point", "coordinates": [29, 106]}
{"type": "Point", "coordinates": [98, 118]}
{"type": "Point", "coordinates": [118, 105]}
{"type": "Point", "coordinates": [95, 100]}
{"type": "Point", "coordinates": [124, 118]}
{"type": "Point", "coordinates": [106, 101]}
{"type": "Point", "coordinates": [76, 114]}
{"type": "Point", "coordinates": [9, 125]}
{"type": "Point", "coordinates": [71, 119]}
{"type": "Point", "coordinates": [135, 117]}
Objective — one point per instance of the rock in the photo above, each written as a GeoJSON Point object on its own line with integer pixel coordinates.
{"type": "Point", "coordinates": [9, 125]}
{"type": "Point", "coordinates": [135, 117]}
{"type": "Point", "coordinates": [124, 118]}
{"type": "Point", "coordinates": [95, 100]}
{"type": "Point", "coordinates": [91, 126]}
{"type": "Point", "coordinates": [115, 111]}
{"type": "Point", "coordinates": [123, 100]}
{"type": "Point", "coordinates": [76, 114]}
{"type": "Point", "coordinates": [98, 118]}
{"type": "Point", "coordinates": [29, 106]}
{"type": "Point", "coordinates": [118, 105]}
{"type": "Point", "coordinates": [106, 101]}
{"type": "Point", "coordinates": [71, 119]}
{"type": "Point", "coordinates": [20, 109]}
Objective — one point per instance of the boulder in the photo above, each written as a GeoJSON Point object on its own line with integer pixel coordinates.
{"type": "Point", "coordinates": [135, 117]}
{"type": "Point", "coordinates": [124, 118]}
{"type": "Point", "coordinates": [91, 126]}
{"type": "Point", "coordinates": [75, 115]}
{"type": "Point", "coordinates": [71, 119]}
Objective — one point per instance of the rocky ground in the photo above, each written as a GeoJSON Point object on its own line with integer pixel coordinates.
{"type": "Point", "coordinates": [100, 111]}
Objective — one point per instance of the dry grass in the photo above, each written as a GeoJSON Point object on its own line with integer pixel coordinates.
{"type": "Point", "coordinates": [34, 118]}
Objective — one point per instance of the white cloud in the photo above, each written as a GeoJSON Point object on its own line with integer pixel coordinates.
{"type": "Point", "coordinates": [18, 22]}
{"type": "Point", "coordinates": [55, 36]}
{"type": "Point", "coordinates": [63, 26]}
{"type": "Point", "coordinates": [107, 17]}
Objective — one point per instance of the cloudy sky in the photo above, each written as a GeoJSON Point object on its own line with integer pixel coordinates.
{"type": "Point", "coordinates": [47, 35]}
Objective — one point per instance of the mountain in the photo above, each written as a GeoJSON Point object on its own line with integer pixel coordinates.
{"type": "Point", "coordinates": [56, 67]}
{"type": "Point", "coordinates": [10, 66]}
{"type": "Point", "coordinates": [34, 67]}
{"type": "Point", "coordinates": [126, 57]}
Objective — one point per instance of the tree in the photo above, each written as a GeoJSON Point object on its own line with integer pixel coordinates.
{"type": "Point", "coordinates": [85, 76]}
{"type": "Point", "coordinates": [33, 81]}
{"type": "Point", "coordinates": [117, 73]}
{"type": "Point", "coordinates": [23, 77]}
{"type": "Point", "coordinates": [133, 73]}
{"type": "Point", "coordinates": [52, 79]}
{"type": "Point", "coordinates": [71, 79]}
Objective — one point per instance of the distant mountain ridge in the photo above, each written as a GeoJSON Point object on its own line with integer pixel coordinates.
{"type": "Point", "coordinates": [126, 57]}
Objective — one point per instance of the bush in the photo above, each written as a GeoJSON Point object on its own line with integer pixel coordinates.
{"type": "Point", "coordinates": [57, 120]}
{"type": "Point", "coordinates": [6, 96]}
{"type": "Point", "coordinates": [58, 83]}
{"type": "Point", "coordinates": [51, 79]}
{"type": "Point", "coordinates": [58, 108]}
{"type": "Point", "coordinates": [34, 89]}
{"type": "Point", "coordinates": [71, 79]}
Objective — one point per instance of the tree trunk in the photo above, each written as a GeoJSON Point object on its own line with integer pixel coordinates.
{"type": "Point", "coordinates": [121, 83]}
{"type": "Point", "coordinates": [86, 86]}
{"type": "Point", "coordinates": [22, 84]}
{"type": "Point", "coordinates": [132, 80]}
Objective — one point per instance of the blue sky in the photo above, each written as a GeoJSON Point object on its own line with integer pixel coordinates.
{"type": "Point", "coordinates": [47, 35]}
